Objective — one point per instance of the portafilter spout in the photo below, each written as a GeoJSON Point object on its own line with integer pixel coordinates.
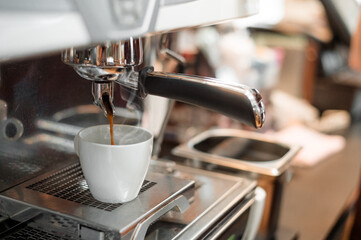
{"type": "Point", "coordinates": [103, 96]}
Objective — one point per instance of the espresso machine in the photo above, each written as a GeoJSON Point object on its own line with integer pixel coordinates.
{"type": "Point", "coordinates": [125, 49]}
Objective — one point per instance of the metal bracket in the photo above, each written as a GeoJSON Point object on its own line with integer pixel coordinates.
{"type": "Point", "coordinates": [140, 230]}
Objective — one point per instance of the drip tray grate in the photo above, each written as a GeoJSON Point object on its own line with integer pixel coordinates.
{"type": "Point", "coordinates": [30, 233]}
{"type": "Point", "coordinates": [69, 183]}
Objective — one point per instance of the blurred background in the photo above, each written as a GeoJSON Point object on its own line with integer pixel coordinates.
{"type": "Point", "coordinates": [296, 52]}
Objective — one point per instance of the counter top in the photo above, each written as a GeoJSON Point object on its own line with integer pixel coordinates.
{"type": "Point", "coordinates": [316, 197]}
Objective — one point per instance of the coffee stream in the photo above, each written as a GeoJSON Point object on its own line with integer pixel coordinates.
{"type": "Point", "coordinates": [110, 115]}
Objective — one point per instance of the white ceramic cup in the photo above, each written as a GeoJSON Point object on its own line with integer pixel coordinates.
{"type": "Point", "coordinates": [114, 173]}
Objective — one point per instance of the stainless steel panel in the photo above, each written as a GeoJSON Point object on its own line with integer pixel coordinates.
{"type": "Point", "coordinates": [121, 219]}
{"type": "Point", "coordinates": [214, 196]}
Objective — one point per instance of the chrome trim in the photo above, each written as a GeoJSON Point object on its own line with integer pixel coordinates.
{"type": "Point", "coordinates": [108, 61]}
{"type": "Point", "coordinates": [57, 127]}
{"type": "Point", "coordinates": [108, 55]}
{"type": "Point", "coordinates": [232, 219]}
{"type": "Point", "coordinates": [238, 191]}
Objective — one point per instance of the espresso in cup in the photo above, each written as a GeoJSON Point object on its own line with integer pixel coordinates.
{"type": "Point", "coordinates": [114, 173]}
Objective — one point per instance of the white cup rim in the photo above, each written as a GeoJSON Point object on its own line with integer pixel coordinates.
{"type": "Point", "coordinates": [115, 125]}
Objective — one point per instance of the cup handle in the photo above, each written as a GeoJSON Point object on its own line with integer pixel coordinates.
{"type": "Point", "coordinates": [76, 144]}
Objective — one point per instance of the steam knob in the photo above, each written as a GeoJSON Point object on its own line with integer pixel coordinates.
{"type": "Point", "coordinates": [11, 129]}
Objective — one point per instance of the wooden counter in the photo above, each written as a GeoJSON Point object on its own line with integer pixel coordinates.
{"type": "Point", "coordinates": [316, 197]}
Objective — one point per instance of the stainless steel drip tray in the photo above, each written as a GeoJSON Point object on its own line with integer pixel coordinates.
{"type": "Point", "coordinates": [21, 161]}
{"type": "Point", "coordinates": [65, 193]}
{"type": "Point", "coordinates": [238, 149]}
